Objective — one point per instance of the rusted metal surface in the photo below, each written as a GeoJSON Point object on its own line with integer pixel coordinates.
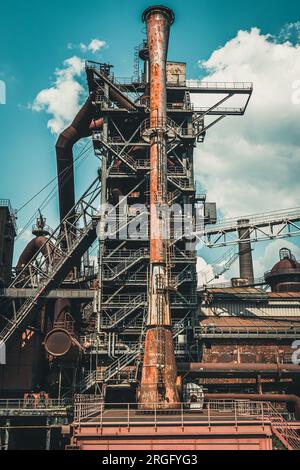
{"type": "Point", "coordinates": [221, 425]}
{"type": "Point", "coordinates": [285, 275]}
{"type": "Point", "coordinates": [61, 343]}
{"type": "Point", "coordinates": [249, 322]}
{"type": "Point", "coordinates": [256, 439]}
{"type": "Point", "coordinates": [232, 368]}
{"type": "Point", "coordinates": [158, 382]}
{"type": "Point", "coordinates": [82, 126]}
{"type": "Point", "coordinates": [247, 351]}
{"type": "Point", "coordinates": [36, 244]}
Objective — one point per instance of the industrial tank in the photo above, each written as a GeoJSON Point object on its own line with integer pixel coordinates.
{"type": "Point", "coordinates": [285, 275]}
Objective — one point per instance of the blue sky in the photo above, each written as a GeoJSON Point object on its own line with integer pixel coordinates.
{"type": "Point", "coordinates": [34, 39]}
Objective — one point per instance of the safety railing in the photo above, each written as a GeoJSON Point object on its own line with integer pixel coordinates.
{"type": "Point", "coordinates": [259, 332]}
{"type": "Point", "coordinates": [212, 413]}
{"type": "Point", "coordinates": [219, 85]}
{"type": "Point", "coordinates": [160, 123]}
{"type": "Point", "coordinates": [219, 109]}
{"type": "Point", "coordinates": [6, 203]}
{"type": "Point", "coordinates": [32, 406]}
{"type": "Point", "coordinates": [127, 300]}
{"type": "Point", "coordinates": [267, 218]}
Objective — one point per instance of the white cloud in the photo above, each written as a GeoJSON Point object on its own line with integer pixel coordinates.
{"type": "Point", "coordinates": [252, 164]}
{"type": "Point", "coordinates": [208, 273]}
{"type": "Point", "coordinates": [94, 46]}
{"type": "Point", "coordinates": [62, 99]}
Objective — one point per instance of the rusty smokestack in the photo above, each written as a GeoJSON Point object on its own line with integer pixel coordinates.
{"type": "Point", "coordinates": [245, 251]}
{"type": "Point", "coordinates": [158, 384]}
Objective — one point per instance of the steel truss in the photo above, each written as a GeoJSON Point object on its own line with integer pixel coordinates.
{"type": "Point", "coordinates": [262, 227]}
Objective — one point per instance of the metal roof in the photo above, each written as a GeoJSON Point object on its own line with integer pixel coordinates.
{"type": "Point", "coordinates": [247, 322]}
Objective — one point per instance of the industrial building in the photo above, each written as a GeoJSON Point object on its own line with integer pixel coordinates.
{"type": "Point", "coordinates": [129, 353]}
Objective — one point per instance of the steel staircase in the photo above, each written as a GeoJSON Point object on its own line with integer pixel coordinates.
{"type": "Point", "coordinates": [123, 266]}
{"type": "Point", "coordinates": [281, 429]}
{"type": "Point", "coordinates": [54, 261]}
{"type": "Point", "coordinates": [94, 69]}
{"type": "Point", "coordinates": [126, 360]}
{"type": "Point", "coordinates": [117, 150]}
{"type": "Point", "coordinates": [184, 276]}
{"type": "Point", "coordinates": [112, 321]}
{"type": "Point", "coordinates": [182, 184]}
{"type": "Point", "coordinates": [173, 196]}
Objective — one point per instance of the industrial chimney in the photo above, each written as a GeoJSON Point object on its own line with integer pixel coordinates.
{"type": "Point", "coordinates": [245, 251]}
{"type": "Point", "coordinates": [158, 383]}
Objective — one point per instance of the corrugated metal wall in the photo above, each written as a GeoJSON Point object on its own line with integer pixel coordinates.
{"type": "Point", "coordinates": [249, 309]}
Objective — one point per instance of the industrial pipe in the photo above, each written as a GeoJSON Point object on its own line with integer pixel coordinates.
{"type": "Point", "coordinates": [158, 383]}
{"type": "Point", "coordinates": [82, 126]}
{"type": "Point", "coordinates": [258, 397]}
{"type": "Point", "coordinates": [236, 368]}
{"type": "Point", "coordinates": [36, 244]}
{"type": "Point", "coordinates": [60, 343]}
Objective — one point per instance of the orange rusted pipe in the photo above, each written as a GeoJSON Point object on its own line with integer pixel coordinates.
{"type": "Point", "coordinates": [158, 384]}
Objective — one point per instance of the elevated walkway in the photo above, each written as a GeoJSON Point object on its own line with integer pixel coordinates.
{"type": "Point", "coordinates": [221, 425]}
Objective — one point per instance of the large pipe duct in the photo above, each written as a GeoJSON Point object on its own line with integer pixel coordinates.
{"type": "Point", "coordinates": [61, 341]}
{"type": "Point", "coordinates": [158, 383]}
{"type": "Point", "coordinates": [245, 252]}
{"type": "Point", "coordinates": [231, 368]}
{"type": "Point", "coordinates": [81, 127]}
{"type": "Point", "coordinates": [270, 397]}
{"type": "Point", "coordinates": [36, 244]}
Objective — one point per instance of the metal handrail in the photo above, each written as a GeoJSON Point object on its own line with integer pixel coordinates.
{"type": "Point", "coordinates": [255, 219]}
{"type": "Point", "coordinates": [12, 212]}
{"type": "Point", "coordinates": [215, 412]}
{"type": "Point", "coordinates": [253, 331]}
{"type": "Point", "coordinates": [23, 404]}
{"type": "Point", "coordinates": [221, 109]}
{"type": "Point", "coordinates": [219, 85]}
